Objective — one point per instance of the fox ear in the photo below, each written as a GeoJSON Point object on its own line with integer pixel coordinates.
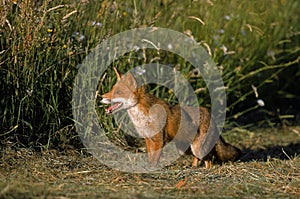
{"type": "Point", "coordinates": [131, 80]}
{"type": "Point", "coordinates": [119, 75]}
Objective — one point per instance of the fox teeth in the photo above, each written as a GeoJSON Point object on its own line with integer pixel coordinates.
{"type": "Point", "coordinates": [113, 107]}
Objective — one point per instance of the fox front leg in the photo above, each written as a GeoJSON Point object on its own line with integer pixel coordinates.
{"type": "Point", "coordinates": [154, 147]}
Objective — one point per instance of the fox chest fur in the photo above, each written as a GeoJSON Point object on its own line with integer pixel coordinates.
{"type": "Point", "coordinates": [148, 120]}
{"type": "Point", "coordinates": [143, 122]}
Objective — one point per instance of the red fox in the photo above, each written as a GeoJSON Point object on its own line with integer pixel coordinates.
{"type": "Point", "coordinates": [160, 127]}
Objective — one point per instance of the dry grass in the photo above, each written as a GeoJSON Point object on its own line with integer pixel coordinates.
{"type": "Point", "coordinates": [268, 168]}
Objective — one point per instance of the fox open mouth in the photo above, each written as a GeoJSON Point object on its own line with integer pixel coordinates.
{"type": "Point", "coordinates": [113, 108]}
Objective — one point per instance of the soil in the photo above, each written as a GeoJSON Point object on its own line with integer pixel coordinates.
{"type": "Point", "coordinates": [269, 167]}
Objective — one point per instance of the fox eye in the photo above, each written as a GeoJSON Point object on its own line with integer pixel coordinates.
{"type": "Point", "coordinates": [117, 92]}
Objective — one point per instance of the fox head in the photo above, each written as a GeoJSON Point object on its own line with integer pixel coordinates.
{"type": "Point", "coordinates": [122, 95]}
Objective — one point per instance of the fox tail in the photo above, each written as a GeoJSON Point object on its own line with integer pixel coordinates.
{"type": "Point", "coordinates": [226, 152]}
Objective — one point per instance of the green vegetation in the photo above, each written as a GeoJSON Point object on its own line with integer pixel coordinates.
{"type": "Point", "coordinates": [254, 43]}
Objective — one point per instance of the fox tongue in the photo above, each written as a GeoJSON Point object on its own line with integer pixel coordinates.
{"type": "Point", "coordinates": [110, 109]}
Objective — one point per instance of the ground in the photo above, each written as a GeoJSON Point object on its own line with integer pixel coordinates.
{"type": "Point", "coordinates": [269, 167]}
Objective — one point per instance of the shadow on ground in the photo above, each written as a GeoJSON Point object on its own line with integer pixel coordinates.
{"type": "Point", "coordinates": [280, 152]}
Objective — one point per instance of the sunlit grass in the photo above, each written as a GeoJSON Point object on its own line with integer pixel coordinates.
{"type": "Point", "coordinates": [42, 45]}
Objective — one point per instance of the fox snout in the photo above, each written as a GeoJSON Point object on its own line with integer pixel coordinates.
{"type": "Point", "coordinates": [116, 103]}
{"type": "Point", "coordinates": [105, 100]}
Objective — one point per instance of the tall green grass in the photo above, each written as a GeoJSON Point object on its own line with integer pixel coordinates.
{"type": "Point", "coordinates": [254, 43]}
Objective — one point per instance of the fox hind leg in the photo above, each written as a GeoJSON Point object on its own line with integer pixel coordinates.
{"type": "Point", "coordinates": [207, 161]}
